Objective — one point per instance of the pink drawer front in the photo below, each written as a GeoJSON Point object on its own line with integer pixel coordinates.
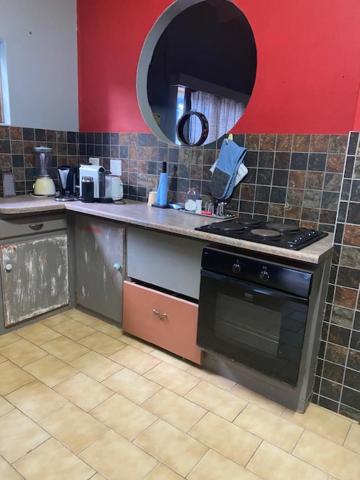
{"type": "Point", "coordinates": [166, 321]}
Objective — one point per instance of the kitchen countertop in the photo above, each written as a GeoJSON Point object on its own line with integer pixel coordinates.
{"type": "Point", "coordinates": [167, 220]}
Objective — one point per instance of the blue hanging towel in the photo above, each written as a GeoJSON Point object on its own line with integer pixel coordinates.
{"type": "Point", "coordinates": [223, 180]}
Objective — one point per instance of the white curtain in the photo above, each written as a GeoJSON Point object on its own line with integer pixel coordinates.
{"type": "Point", "coordinates": [221, 113]}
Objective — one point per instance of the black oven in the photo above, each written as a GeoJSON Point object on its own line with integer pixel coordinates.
{"type": "Point", "coordinates": [254, 312]}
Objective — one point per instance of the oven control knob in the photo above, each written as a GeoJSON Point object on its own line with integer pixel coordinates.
{"type": "Point", "coordinates": [264, 275]}
{"type": "Point", "coordinates": [236, 268]}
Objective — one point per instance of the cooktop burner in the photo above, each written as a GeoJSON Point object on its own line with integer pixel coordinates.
{"type": "Point", "coordinates": [282, 227]}
{"type": "Point", "coordinates": [266, 233]}
{"type": "Point", "coordinates": [277, 234]}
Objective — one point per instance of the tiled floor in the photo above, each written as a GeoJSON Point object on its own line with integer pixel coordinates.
{"type": "Point", "coordinates": [80, 400]}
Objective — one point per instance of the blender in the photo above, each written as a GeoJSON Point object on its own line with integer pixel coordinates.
{"type": "Point", "coordinates": [44, 185]}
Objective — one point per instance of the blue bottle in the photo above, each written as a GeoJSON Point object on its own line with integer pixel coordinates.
{"type": "Point", "coordinates": [163, 187]}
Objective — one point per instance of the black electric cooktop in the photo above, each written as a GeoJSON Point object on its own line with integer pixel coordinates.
{"type": "Point", "coordinates": [270, 233]}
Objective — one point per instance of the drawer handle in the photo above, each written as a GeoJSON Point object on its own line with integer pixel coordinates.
{"type": "Point", "coordinates": [36, 226]}
{"type": "Point", "coordinates": [162, 316]}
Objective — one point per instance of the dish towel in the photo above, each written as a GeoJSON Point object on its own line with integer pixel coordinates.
{"type": "Point", "coordinates": [228, 170]}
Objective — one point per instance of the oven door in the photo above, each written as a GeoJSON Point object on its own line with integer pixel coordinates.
{"type": "Point", "coordinates": [254, 325]}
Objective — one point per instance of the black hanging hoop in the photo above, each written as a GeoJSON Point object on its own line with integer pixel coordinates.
{"type": "Point", "coordinates": [204, 128]}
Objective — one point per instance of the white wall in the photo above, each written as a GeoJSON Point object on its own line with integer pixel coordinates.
{"type": "Point", "coordinates": [41, 51]}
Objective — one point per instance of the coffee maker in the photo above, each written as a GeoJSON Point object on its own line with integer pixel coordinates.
{"type": "Point", "coordinates": [67, 181]}
{"type": "Point", "coordinates": [97, 173]}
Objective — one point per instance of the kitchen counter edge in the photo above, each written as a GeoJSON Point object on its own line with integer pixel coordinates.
{"type": "Point", "coordinates": [170, 221]}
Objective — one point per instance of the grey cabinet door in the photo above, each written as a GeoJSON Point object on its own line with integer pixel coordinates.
{"type": "Point", "coordinates": [99, 261]}
{"type": "Point", "coordinates": [34, 277]}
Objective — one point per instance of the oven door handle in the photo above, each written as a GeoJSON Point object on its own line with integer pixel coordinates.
{"type": "Point", "coordinates": [252, 287]}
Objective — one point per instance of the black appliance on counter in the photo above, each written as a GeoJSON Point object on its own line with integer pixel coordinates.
{"type": "Point", "coordinates": [68, 179]}
{"type": "Point", "coordinates": [281, 235]}
{"type": "Point", "coordinates": [260, 315]}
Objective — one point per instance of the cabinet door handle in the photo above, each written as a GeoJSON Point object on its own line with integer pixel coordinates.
{"type": "Point", "coordinates": [162, 316]}
{"type": "Point", "coordinates": [8, 267]}
{"type": "Point", "coordinates": [117, 267]}
{"type": "Point", "coordinates": [36, 226]}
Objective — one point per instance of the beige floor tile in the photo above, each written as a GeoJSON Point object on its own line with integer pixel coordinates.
{"type": "Point", "coordinates": [38, 333]}
{"type": "Point", "coordinates": [65, 349]}
{"type": "Point", "coordinates": [272, 463]}
{"type": "Point", "coordinates": [135, 359]}
{"type": "Point", "coordinates": [102, 344]}
{"type": "Point", "coordinates": [55, 319]}
{"type": "Point", "coordinates": [52, 461]}
{"type": "Point", "coordinates": [82, 390]}
{"type": "Point", "coordinates": [216, 400]}
{"type": "Point", "coordinates": [161, 472]}
{"type": "Point", "coordinates": [18, 435]}
{"type": "Point", "coordinates": [73, 427]}
{"type": "Point", "coordinates": [168, 357]}
{"type": "Point", "coordinates": [36, 400]}
{"type": "Point", "coordinates": [212, 378]}
{"type": "Point", "coordinates": [96, 366]}
{"type": "Point", "coordinates": [116, 458]}
{"type": "Point", "coordinates": [353, 439]}
{"type": "Point", "coordinates": [253, 397]}
{"type": "Point", "coordinates": [131, 385]}
{"type": "Point", "coordinates": [137, 343]}
{"type": "Point", "coordinates": [7, 472]}
{"type": "Point", "coordinates": [2, 359]}
{"type": "Point", "coordinates": [109, 329]}
{"type": "Point", "coordinates": [328, 456]}
{"type": "Point", "coordinates": [82, 317]}
{"type": "Point", "coordinates": [172, 378]}
{"type": "Point", "coordinates": [5, 407]}
{"type": "Point", "coordinates": [73, 329]}
{"type": "Point", "coordinates": [226, 438]}
{"type": "Point", "coordinates": [123, 416]}
{"type": "Point", "coordinates": [12, 377]}
{"type": "Point", "coordinates": [22, 352]}
{"type": "Point", "coordinates": [270, 427]}
{"type": "Point", "coordinates": [97, 477]}
{"type": "Point", "coordinates": [8, 338]}
{"type": "Point", "coordinates": [171, 446]}
{"type": "Point", "coordinates": [176, 410]}
{"type": "Point", "coordinates": [321, 421]}
{"type": "Point", "coordinates": [214, 466]}
{"type": "Point", "coordinates": [50, 370]}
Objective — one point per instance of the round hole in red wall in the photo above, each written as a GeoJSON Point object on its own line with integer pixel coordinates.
{"type": "Point", "coordinates": [200, 56]}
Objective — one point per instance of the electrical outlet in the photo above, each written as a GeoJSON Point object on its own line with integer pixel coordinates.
{"type": "Point", "coordinates": [94, 161]}
{"type": "Point", "coordinates": [115, 166]}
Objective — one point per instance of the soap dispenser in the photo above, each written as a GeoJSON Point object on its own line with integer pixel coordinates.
{"type": "Point", "coordinates": [162, 191]}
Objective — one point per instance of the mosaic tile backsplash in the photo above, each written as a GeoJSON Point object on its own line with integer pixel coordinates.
{"type": "Point", "coordinates": [311, 180]}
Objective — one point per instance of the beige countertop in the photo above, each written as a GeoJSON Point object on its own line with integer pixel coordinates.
{"type": "Point", "coordinates": [166, 220]}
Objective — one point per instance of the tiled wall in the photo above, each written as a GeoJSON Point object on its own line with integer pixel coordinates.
{"type": "Point", "coordinates": [313, 180]}
{"type": "Point", "coordinates": [337, 384]}
{"type": "Point", "coordinates": [17, 153]}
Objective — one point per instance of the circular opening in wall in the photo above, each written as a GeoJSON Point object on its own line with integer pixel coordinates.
{"type": "Point", "coordinates": [196, 71]}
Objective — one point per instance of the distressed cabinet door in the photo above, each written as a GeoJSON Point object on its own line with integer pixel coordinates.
{"type": "Point", "coordinates": [99, 261]}
{"type": "Point", "coordinates": [34, 277]}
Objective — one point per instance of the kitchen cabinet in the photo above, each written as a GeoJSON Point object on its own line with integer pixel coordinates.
{"type": "Point", "coordinates": [167, 261]}
{"type": "Point", "coordinates": [34, 276]}
{"type": "Point", "coordinates": [161, 319]}
{"type": "Point", "coordinates": [99, 260]}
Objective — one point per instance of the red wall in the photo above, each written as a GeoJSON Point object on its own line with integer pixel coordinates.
{"type": "Point", "coordinates": [308, 64]}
